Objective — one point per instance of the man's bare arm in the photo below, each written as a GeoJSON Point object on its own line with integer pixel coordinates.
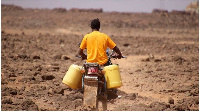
{"type": "Point", "coordinates": [80, 52]}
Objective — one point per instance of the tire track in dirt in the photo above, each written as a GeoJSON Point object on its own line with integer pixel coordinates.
{"type": "Point", "coordinates": [128, 67]}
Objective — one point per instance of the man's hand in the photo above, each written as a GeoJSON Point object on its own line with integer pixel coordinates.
{"type": "Point", "coordinates": [119, 56]}
{"type": "Point", "coordinates": [116, 49]}
{"type": "Point", "coordinates": [84, 57]}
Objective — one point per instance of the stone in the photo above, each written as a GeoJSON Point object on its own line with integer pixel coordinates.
{"type": "Point", "coordinates": [138, 70]}
{"type": "Point", "coordinates": [65, 57]}
{"type": "Point", "coordinates": [29, 105]}
{"type": "Point", "coordinates": [171, 100]}
{"type": "Point", "coordinates": [36, 57]}
{"type": "Point", "coordinates": [58, 56]}
{"type": "Point", "coordinates": [126, 45]}
{"type": "Point", "coordinates": [48, 77]}
{"type": "Point", "coordinates": [7, 101]}
{"type": "Point", "coordinates": [157, 60]}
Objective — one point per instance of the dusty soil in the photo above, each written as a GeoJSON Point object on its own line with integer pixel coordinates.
{"type": "Point", "coordinates": [161, 71]}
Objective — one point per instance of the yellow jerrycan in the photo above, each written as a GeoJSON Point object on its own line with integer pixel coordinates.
{"type": "Point", "coordinates": [73, 77]}
{"type": "Point", "coordinates": [112, 75]}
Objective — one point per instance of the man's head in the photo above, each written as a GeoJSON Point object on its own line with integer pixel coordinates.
{"type": "Point", "coordinates": [95, 24]}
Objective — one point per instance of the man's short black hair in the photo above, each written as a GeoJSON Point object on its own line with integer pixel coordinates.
{"type": "Point", "coordinates": [95, 24]}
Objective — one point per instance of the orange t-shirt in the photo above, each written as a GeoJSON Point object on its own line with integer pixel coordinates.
{"type": "Point", "coordinates": [96, 44]}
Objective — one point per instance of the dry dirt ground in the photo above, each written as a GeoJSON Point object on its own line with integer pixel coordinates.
{"type": "Point", "coordinates": [161, 71]}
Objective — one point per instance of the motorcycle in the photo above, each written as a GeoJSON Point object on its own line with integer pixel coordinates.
{"type": "Point", "coordinates": [94, 84]}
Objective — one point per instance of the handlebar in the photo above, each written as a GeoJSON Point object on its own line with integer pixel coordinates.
{"type": "Point", "coordinates": [116, 57]}
{"type": "Point", "coordinates": [78, 56]}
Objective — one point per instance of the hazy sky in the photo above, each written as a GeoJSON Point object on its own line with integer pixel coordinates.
{"type": "Point", "coordinates": [106, 5]}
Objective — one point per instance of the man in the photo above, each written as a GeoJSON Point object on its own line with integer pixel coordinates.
{"type": "Point", "coordinates": [96, 44]}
